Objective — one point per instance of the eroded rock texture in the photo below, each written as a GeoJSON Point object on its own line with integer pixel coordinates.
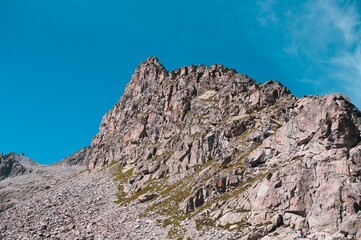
{"type": "Point", "coordinates": [296, 159]}
{"type": "Point", "coordinates": [208, 153]}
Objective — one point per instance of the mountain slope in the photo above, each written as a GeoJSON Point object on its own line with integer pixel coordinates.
{"type": "Point", "coordinates": [203, 153]}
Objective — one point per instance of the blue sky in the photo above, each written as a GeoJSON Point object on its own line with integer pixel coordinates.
{"type": "Point", "coordinates": [64, 63]}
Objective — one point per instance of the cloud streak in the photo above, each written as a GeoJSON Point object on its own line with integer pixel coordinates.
{"type": "Point", "coordinates": [326, 35]}
{"type": "Point", "coordinates": [338, 25]}
{"type": "Point", "coordinates": [267, 15]}
{"type": "Point", "coordinates": [344, 64]}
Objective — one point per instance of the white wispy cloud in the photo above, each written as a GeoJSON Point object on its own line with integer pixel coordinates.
{"type": "Point", "coordinates": [343, 61]}
{"type": "Point", "coordinates": [345, 64]}
{"type": "Point", "coordinates": [343, 17]}
{"type": "Point", "coordinates": [327, 34]}
{"type": "Point", "coordinates": [267, 14]}
{"type": "Point", "coordinates": [338, 25]}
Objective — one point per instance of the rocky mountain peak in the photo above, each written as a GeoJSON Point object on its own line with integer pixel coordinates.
{"type": "Point", "coordinates": [212, 154]}
{"type": "Point", "coordinates": [148, 71]}
{"type": "Point", "coordinates": [156, 96]}
{"type": "Point", "coordinates": [151, 61]}
{"type": "Point", "coordinates": [211, 130]}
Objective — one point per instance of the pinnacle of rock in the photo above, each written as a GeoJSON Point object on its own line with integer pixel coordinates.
{"type": "Point", "coordinates": [207, 153]}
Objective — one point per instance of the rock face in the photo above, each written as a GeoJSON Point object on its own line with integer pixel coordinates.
{"type": "Point", "coordinates": [12, 165]}
{"type": "Point", "coordinates": [194, 113]}
{"type": "Point", "coordinates": [293, 158]}
{"type": "Point", "coordinates": [208, 153]}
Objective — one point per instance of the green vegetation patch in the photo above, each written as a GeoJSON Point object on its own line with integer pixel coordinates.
{"type": "Point", "coordinates": [122, 176]}
{"type": "Point", "coordinates": [172, 196]}
{"type": "Point", "coordinates": [206, 222]}
{"type": "Point", "coordinates": [241, 156]}
{"type": "Point", "coordinates": [153, 186]}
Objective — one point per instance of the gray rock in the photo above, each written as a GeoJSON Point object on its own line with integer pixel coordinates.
{"type": "Point", "coordinates": [147, 197]}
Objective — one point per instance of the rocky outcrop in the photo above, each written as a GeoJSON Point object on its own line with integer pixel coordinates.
{"type": "Point", "coordinates": [13, 164]}
{"type": "Point", "coordinates": [275, 156]}
{"type": "Point", "coordinates": [310, 164]}
{"type": "Point", "coordinates": [187, 117]}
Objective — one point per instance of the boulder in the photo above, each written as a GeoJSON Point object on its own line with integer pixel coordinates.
{"type": "Point", "coordinates": [147, 197]}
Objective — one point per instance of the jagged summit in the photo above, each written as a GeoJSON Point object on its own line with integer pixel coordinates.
{"type": "Point", "coordinates": [151, 61]}
{"type": "Point", "coordinates": [149, 64]}
{"type": "Point", "coordinates": [151, 68]}
{"type": "Point", "coordinates": [209, 153]}
{"type": "Point", "coordinates": [155, 91]}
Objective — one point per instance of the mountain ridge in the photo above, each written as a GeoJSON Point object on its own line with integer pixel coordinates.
{"type": "Point", "coordinates": [208, 153]}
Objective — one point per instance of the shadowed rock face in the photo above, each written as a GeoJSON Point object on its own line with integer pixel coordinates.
{"type": "Point", "coordinates": [205, 148]}
{"type": "Point", "coordinates": [12, 165]}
